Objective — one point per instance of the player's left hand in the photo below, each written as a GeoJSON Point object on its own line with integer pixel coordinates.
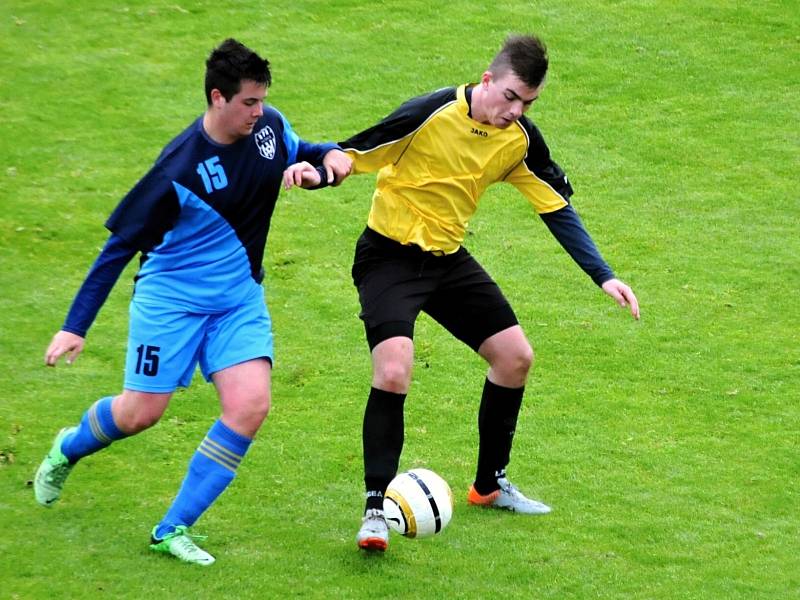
{"type": "Point", "coordinates": [302, 174]}
{"type": "Point", "coordinates": [338, 166]}
{"type": "Point", "coordinates": [623, 295]}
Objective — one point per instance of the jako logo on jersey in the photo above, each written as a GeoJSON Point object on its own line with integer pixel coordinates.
{"type": "Point", "coordinates": [479, 132]}
{"type": "Point", "coordinates": [265, 140]}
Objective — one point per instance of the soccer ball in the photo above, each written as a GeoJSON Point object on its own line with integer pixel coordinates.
{"type": "Point", "coordinates": [418, 503]}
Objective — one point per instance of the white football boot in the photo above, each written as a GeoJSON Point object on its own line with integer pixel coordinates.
{"type": "Point", "coordinates": [508, 497]}
{"type": "Point", "coordinates": [374, 532]}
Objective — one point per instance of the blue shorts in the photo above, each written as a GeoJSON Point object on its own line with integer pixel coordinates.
{"type": "Point", "coordinates": [166, 343]}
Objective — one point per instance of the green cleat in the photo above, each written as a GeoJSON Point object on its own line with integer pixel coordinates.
{"type": "Point", "coordinates": [53, 471]}
{"type": "Point", "coordinates": [181, 545]}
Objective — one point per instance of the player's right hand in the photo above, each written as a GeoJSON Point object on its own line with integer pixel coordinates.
{"type": "Point", "coordinates": [623, 295]}
{"type": "Point", "coordinates": [301, 174]}
{"type": "Point", "coordinates": [338, 166]}
{"type": "Point", "coordinates": [63, 342]}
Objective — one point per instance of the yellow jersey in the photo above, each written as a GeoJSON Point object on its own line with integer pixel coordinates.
{"type": "Point", "coordinates": [434, 163]}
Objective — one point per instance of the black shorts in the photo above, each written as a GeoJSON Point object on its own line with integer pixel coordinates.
{"type": "Point", "coordinates": [395, 282]}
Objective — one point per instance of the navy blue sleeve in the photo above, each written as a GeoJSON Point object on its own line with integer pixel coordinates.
{"type": "Point", "coordinates": [314, 153]}
{"type": "Point", "coordinates": [105, 271]}
{"type": "Point", "coordinates": [147, 212]}
{"type": "Point", "coordinates": [567, 228]}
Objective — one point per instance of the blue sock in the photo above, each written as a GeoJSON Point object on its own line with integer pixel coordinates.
{"type": "Point", "coordinates": [211, 469]}
{"type": "Point", "coordinates": [95, 431]}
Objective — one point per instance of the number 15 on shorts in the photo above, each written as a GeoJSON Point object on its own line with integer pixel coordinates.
{"type": "Point", "coordinates": [147, 360]}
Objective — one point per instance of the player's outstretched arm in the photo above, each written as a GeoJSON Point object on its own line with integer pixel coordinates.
{"type": "Point", "coordinates": [337, 166]}
{"type": "Point", "coordinates": [90, 297]}
{"type": "Point", "coordinates": [302, 174]}
{"type": "Point", "coordinates": [623, 294]}
{"type": "Point", "coordinates": [63, 342]}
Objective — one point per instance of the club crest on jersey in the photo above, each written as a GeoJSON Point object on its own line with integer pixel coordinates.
{"type": "Point", "coordinates": [265, 140]}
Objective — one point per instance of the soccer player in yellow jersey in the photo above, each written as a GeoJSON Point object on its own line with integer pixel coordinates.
{"type": "Point", "coordinates": [435, 155]}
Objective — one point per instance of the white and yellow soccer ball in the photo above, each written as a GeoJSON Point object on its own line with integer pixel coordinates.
{"type": "Point", "coordinates": [418, 503]}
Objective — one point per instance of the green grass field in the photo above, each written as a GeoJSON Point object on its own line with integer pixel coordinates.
{"type": "Point", "coordinates": [668, 447]}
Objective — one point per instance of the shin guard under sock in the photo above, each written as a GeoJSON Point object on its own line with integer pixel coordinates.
{"type": "Point", "coordinates": [96, 431]}
{"type": "Point", "coordinates": [497, 422]}
{"type": "Point", "coordinates": [211, 469]}
{"type": "Point", "coordinates": [382, 435]}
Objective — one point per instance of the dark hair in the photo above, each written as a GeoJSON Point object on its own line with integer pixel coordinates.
{"type": "Point", "coordinates": [230, 64]}
{"type": "Point", "coordinates": [526, 56]}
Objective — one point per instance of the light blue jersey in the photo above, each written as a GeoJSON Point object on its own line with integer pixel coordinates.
{"type": "Point", "coordinates": [200, 219]}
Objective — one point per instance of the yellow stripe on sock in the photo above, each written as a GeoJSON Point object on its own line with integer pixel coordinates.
{"type": "Point", "coordinates": [220, 461]}
{"type": "Point", "coordinates": [94, 424]}
{"type": "Point", "coordinates": [228, 460]}
{"type": "Point", "coordinates": [222, 450]}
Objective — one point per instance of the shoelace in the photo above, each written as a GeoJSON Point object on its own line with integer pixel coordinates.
{"type": "Point", "coordinates": [186, 543]}
{"type": "Point", "coordinates": [374, 520]}
{"type": "Point", "coordinates": [509, 488]}
{"type": "Point", "coordinates": [184, 532]}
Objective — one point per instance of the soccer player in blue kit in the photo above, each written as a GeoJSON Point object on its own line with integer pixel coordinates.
{"type": "Point", "coordinates": [200, 219]}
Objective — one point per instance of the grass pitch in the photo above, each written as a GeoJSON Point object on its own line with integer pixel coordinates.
{"type": "Point", "coordinates": [667, 447]}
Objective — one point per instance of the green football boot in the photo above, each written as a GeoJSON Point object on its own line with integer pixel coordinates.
{"type": "Point", "coordinates": [53, 471]}
{"type": "Point", "coordinates": [181, 545]}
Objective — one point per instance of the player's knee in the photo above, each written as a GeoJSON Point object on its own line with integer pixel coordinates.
{"type": "Point", "coordinates": [139, 420]}
{"type": "Point", "coordinates": [524, 359]}
{"type": "Point", "coordinates": [136, 411]}
{"type": "Point", "coordinates": [247, 414]}
{"type": "Point", "coordinates": [513, 366]}
{"type": "Point", "coordinates": [522, 362]}
{"type": "Point", "coordinates": [261, 407]}
{"type": "Point", "coordinates": [253, 411]}
{"type": "Point", "coordinates": [392, 376]}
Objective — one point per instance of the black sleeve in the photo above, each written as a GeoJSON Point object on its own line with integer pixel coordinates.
{"type": "Point", "coordinates": [567, 228]}
{"type": "Point", "coordinates": [406, 119]}
{"type": "Point", "coordinates": [323, 178]}
{"type": "Point", "coordinates": [538, 160]}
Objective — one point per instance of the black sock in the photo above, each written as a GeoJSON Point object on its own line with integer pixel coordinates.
{"type": "Point", "coordinates": [497, 421]}
{"type": "Point", "coordinates": [382, 435]}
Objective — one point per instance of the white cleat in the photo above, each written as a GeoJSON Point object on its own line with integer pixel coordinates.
{"type": "Point", "coordinates": [374, 532]}
{"type": "Point", "coordinates": [508, 497]}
